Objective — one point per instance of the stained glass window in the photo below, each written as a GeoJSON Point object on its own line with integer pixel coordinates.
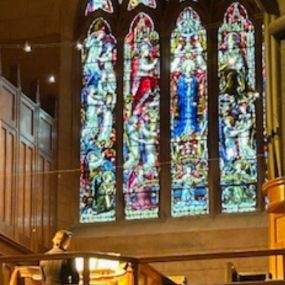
{"type": "Point", "coordinates": [98, 136]}
{"type": "Point", "coordinates": [93, 5]}
{"type": "Point", "coordinates": [238, 160]}
{"type": "Point", "coordinates": [189, 153]}
{"type": "Point", "coordinates": [141, 119]}
{"type": "Point", "coordinates": [134, 3]}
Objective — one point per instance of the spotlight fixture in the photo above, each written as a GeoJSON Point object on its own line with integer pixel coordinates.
{"type": "Point", "coordinates": [51, 79]}
{"type": "Point", "coordinates": [27, 47]}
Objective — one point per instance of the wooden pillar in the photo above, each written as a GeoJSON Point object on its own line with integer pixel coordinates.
{"type": "Point", "coordinates": [274, 190]}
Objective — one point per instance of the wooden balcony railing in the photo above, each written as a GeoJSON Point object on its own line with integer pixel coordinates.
{"type": "Point", "coordinates": [33, 259]}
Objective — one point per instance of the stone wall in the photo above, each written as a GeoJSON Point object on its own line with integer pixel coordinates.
{"type": "Point", "coordinates": [180, 237]}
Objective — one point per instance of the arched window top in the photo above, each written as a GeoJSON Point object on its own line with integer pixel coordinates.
{"type": "Point", "coordinates": [143, 25]}
{"type": "Point", "coordinates": [237, 111]}
{"type": "Point", "coordinates": [236, 18]}
{"type": "Point", "coordinates": [99, 25]}
{"type": "Point", "coordinates": [93, 5]}
{"type": "Point", "coordinates": [134, 3]}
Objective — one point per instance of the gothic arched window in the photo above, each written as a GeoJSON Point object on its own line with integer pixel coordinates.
{"type": "Point", "coordinates": [237, 96]}
{"type": "Point", "coordinates": [189, 120]}
{"type": "Point", "coordinates": [98, 135]}
{"type": "Point", "coordinates": [141, 119]}
{"type": "Point", "coordinates": [172, 121]}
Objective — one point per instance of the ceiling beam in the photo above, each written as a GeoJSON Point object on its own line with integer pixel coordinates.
{"type": "Point", "coordinates": [269, 6]}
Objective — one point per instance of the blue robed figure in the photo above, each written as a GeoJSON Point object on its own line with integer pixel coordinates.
{"type": "Point", "coordinates": [187, 93]}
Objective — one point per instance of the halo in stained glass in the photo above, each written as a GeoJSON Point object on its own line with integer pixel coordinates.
{"type": "Point", "coordinates": [141, 119]}
{"type": "Point", "coordinates": [189, 124]}
{"type": "Point", "coordinates": [237, 115]}
{"type": "Point", "coordinates": [98, 135]}
{"type": "Point", "coordinates": [93, 5]}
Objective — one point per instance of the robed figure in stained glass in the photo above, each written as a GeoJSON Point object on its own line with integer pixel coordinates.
{"type": "Point", "coordinates": [98, 101]}
{"type": "Point", "coordinates": [237, 111]}
{"type": "Point", "coordinates": [141, 119]}
{"type": "Point", "coordinates": [188, 116]}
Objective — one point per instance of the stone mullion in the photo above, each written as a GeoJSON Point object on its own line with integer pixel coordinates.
{"type": "Point", "coordinates": [213, 120]}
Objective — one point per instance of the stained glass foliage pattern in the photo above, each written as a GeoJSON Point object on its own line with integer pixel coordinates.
{"type": "Point", "coordinates": [98, 136]}
{"type": "Point", "coordinates": [237, 118]}
{"type": "Point", "coordinates": [134, 3]}
{"type": "Point", "coordinates": [189, 153]}
{"type": "Point", "coordinates": [93, 5]}
{"type": "Point", "coordinates": [141, 119]}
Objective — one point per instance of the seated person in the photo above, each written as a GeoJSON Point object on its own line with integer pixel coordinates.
{"type": "Point", "coordinates": [60, 271]}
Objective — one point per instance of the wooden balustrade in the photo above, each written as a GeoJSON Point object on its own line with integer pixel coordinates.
{"type": "Point", "coordinates": [140, 265]}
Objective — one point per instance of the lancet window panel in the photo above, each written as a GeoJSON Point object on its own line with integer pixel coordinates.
{"type": "Point", "coordinates": [141, 119]}
{"type": "Point", "coordinates": [189, 116]}
{"type": "Point", "coordinates": [238, 145]}
{"type": "Point", "coordinates": [98, 134]}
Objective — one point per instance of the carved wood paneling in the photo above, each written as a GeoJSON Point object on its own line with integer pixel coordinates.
{"type": "Point", "coordinates": [46, 129]}
{"type": "Point", "coordinates": [28, 110]}
{"type": "Point", "coordinates": [8, 103]}
{"type": "Point", "coordinates": [45, 199]}
{"type": "Point", "coordinates": [25, 187]}
{"type": "Point", "coordinates": [7, 179]}
{"type": "Point", "coordinates": [27, 149]}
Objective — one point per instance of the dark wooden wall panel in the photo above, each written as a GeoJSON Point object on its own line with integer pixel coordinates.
{"type": "Point", "coordinates": [7, 177]}
{"type": "Point", "coordinates": [45, 200]}
{"type": "Point", "coordinates": [48, 189]}
{"type": "Point", "coordinates": [8, 103]}
{"type": "Point", "coordinates": [27, 121]}
{"type": "Point", "coordinates": [27, 162]}
{"type": "Point", "coordinates": [3, 144]}
{"type": "Point", "coordinates": [28, 187]}
{"type": "Point", "coordinates": [46, 130]}
{"type": "Point", "coordinates": [40, 200]}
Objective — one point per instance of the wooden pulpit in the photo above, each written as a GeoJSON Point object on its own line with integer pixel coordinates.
{"type": "Point", "coordinates": [274, 191]}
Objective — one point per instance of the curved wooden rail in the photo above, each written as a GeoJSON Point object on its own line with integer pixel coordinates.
{"type": "Point", "coordinates": [142, 260]}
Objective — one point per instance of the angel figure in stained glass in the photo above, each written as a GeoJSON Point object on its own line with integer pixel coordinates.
{"type": "Point", "coordinates": [93, 111]}
{"type": "Point", "coordinates": [132, 138]}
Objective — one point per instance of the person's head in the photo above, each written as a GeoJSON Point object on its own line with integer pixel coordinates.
{"type": "Point", "coordinates": [62, 239]}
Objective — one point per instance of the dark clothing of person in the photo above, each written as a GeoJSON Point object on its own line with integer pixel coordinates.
{"type": "Point", "coordinates": [60, 271]}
